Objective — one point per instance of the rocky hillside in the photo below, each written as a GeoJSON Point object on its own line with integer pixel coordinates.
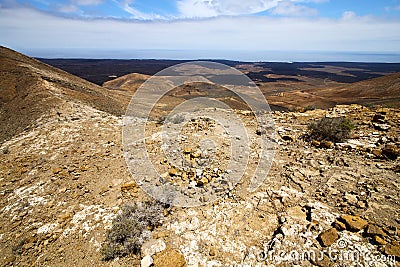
{"type": "Point", "coordinates": [30, 89]}
{"type": "Point", "coordinates": [63, 180]}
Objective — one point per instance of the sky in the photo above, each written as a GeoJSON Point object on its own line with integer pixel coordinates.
{"type": "Point", "coordinates": [199, 28]}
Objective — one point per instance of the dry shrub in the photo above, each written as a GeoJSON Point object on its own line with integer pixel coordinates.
{"type": "Point", "coordinates": [131, 228]}
{"type": "Point", "coordinates": [331, 129]}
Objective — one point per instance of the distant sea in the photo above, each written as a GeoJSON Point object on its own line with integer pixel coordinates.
{"type": "Point", "coordinates": [249, 56]}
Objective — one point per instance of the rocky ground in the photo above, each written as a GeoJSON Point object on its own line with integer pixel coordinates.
{"type": "Point", "coordinates": [63, 181]}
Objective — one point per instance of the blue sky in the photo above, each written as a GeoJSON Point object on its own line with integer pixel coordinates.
{"type": "Point", "coordinates": [95, 26]}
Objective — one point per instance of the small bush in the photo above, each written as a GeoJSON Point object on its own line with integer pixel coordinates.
{"type": "Point", "coordinates": [310, 107]}
{"type": "Point", "coordinates": [130, 228]}
{"type": "Point", "coordinates": [177, 119]}
{"type": "Point", "coordinates": [369, 105]}
{"type": "Point", "coordinates": [331, 129]}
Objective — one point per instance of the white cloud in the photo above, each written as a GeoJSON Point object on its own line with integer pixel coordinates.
{"type": "Point", "coordinates": [349, 15]}
{"type": "Point", "coordinates": [288, 8]}
{"type": "Point", "coordinates": [195, 8]}
{"type": "Point", "coordinates": [311, 1]}
{"type": "Point", "coordinates": [393, 8]}
{"type": "Point", "coordinates": [213, 8]}
{"type": "Point", "coordinates": [136, 14]}
{"type": "Point", "coordinates": [87, 2]}
{"type": "Point", "coordinates": [68, 8]}
{"type": "Point", "coordinates": [73, 6]}
{"type": "Point", "coordinates": [28, 29]}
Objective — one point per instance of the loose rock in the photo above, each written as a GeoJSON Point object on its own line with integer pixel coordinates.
{"type": "Point", "coordinates": [168, 258]}
{"type": "Point", "coordinates": [328, 237]}
{"type": "Point", "coordinates": [152, 247]}
{"type": "Point", "coordinates": [147, 261]}
{"type": "Point", "coordinates": [391, 152]}
{"type": "Point", "coordinates": [128, 186]}
{"type": "Point", "coordinates": [373, 230]}
{"type": "Point", "coordinates": [378, 240]}
{"type": "Point", "coordinates": [327, 144]}
{"type": "Point", "coordinates": [354, 223]}
{"type": "Point", "coordinates": [339, 225]}
{"type": "Point", "coordinates": [288, 138]}
{"type": "Point", "coordinates": [393, 250]}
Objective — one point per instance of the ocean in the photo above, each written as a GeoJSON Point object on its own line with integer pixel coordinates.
{"type": "Point", "coordinates": [249, 56]}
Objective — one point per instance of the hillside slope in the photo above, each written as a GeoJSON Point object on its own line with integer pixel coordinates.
{"type": "Point", "coordinates": [381, 90]}
{"type": "Point", "coordinates": [30, 89]}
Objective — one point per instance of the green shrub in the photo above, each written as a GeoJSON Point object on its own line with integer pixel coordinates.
{"type": "Point", "coordinates": [331, 129]}
{"type": "Point", "coordinates": [131, 228]}
{"type": "Point", "coordinates": [369, 105]}
{"type": "Point", "coordinates": [310, 107]}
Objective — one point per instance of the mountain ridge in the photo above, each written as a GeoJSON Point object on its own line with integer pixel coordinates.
{"type": "Point", "coordinates": [31, 89]}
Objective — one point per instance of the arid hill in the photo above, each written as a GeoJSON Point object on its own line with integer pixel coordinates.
{"type": "Point", "coordinates": [381, 90]}
{"type": "Point", "coordinates": [61, 157]}
{"type": "Point", "coordinates": [128, 82]}
{"type": "Point", "coordinates": [30, 89]}
{"type": "Point", "coordinates": [310, 92]}
{"type": "Point", "coordinates": [305, 92]}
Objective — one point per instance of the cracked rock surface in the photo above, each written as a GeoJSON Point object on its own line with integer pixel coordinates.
{"type": "Point", "coordinates": [64, 180]}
